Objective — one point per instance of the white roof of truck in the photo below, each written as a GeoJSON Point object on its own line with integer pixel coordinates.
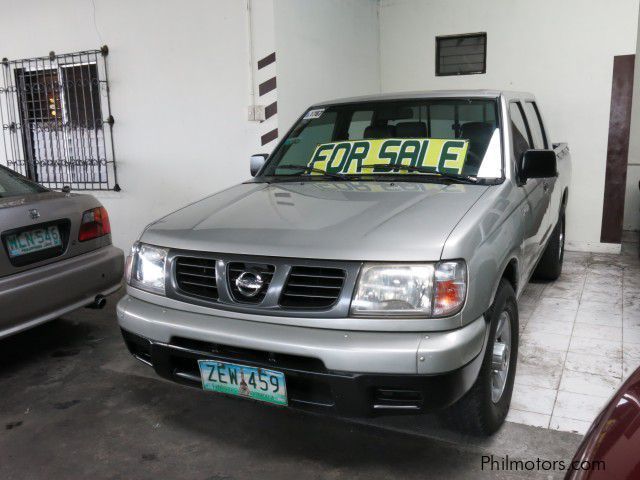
{"type": "Point", "coordinates": [429, 94]}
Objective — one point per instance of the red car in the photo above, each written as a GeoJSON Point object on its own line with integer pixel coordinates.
{"type": "Point", "coordinates": [611, 448]}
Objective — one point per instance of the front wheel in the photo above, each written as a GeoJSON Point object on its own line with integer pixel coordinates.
{"type": "Point", "coordinates": [484, 408]}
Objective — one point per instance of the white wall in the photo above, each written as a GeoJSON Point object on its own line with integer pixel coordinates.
{"type": "Point", "coordinates": [632, 196]}
{"type": "Point", "coordinates": [326, 49]}
{"type": "Point", "coordinates": [562, 51]}
{"type": "Point", "coordinates": [179, 80]}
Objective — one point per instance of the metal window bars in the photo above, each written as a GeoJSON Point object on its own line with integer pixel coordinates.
{"type": "Point", "coordinates": [57, 126]}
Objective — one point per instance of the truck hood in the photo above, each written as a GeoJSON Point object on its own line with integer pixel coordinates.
{"type": "Point", "coordinates": [329, 220]}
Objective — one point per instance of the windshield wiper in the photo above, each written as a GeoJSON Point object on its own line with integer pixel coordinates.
{"type": "Point", "coordinates": [307, 169]}
{"type": "Point", "coordinates": [384, 166]}
{"type": "Point", "coordinates": [425, 170]}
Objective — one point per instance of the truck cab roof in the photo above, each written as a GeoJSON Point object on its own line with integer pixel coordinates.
{"type": "Point", "coordinates": [428, 94]}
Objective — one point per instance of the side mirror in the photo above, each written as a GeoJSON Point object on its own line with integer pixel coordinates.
{"type": "Point", "coordinates": [539, 164]}
{"type": "Point", "coordinates": [257, 161]}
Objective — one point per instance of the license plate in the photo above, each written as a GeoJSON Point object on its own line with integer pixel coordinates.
{"type": "Point", "coordinates": [31, 241]}
{"type": "Point", "coordinates": [249, 382]}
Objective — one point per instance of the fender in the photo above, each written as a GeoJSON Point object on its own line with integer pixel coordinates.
{"type": "Point", "coordinates": [510, 269]}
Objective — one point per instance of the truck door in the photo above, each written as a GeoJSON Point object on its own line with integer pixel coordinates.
{"type": "Point", "coordinates": [533, 207]}
{"type": "Point", "coordinates": [539, 138]}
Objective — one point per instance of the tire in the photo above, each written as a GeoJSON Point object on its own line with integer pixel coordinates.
{"type": "Point", "coordinates": [478, 412]}
{"type": "Point", "coordinates": [550, 265]}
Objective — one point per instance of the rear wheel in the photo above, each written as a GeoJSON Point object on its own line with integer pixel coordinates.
{"type": "Point", "coordinates": [484, 408]}
{"type": "Point", "coordinates": [550, 265]}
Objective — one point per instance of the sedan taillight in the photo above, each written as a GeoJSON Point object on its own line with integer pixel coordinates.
{"type": "Point", "coordinates": [95, 223]}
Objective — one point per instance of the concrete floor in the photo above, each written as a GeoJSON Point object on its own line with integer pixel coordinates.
{"type": "Point", "coordinates": [74, 404]}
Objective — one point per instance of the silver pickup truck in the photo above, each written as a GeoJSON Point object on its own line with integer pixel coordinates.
{"type": "Point", "coordinates": [371, 266]}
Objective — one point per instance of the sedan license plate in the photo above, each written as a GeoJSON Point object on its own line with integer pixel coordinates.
{"type": "Point", "coordinates": [243, 381]}
{"type": "Point", "coordinates": [31, 241]}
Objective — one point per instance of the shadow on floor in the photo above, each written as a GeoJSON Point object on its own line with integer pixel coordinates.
{"type": "Point", "coordinates": [58, 338]}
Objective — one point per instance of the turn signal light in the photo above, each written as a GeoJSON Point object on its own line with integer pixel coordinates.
{"type": "Point", "coordinates": [95, 224]}
{"type": "Point", "coordinates": [450, 288]}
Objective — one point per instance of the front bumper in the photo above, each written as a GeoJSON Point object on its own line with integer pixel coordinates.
{"type": "Point", "coordinates": [350, 373]}
{"type": "Point", "coordinates": [44, 293]}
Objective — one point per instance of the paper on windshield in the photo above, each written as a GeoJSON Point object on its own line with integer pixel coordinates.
{"type": "Point", "coordinates": [313, 114]}
{"type": "Point", "coordinates": [357, 157]}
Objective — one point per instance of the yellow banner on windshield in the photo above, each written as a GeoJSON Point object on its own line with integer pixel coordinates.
{"type": "Point", "coordinates": [359, 156]}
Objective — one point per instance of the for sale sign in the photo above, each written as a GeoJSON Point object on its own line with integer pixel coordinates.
{"type": "Point", "coordinates": [381, 155]}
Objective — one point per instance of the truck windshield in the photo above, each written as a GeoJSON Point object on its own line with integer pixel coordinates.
{"type": "Point", "coordinates": [12, 184]}
{"type": "Point", "coordinates": [456, 137]}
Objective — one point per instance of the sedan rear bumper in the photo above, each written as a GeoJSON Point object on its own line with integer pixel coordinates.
{"type": "Point", "coordinates": [45, 293]}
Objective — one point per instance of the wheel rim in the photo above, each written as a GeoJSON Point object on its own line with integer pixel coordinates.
{"type": "Point", "coordinates": [500, 356]}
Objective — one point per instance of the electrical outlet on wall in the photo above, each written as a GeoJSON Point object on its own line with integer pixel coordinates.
{"type": "Point", "coordinates": [257, 113]}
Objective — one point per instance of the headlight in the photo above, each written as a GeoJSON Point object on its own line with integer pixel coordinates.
{"type": "Point", "coordinates": [147, 270]}
{"type": "Point", "coordinates": [416, 290]}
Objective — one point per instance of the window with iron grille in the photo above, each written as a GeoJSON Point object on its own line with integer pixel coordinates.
{"type": "Point", "coordinates": [461, 54]}
{"type": "Point", "coordinates": [56, 120]}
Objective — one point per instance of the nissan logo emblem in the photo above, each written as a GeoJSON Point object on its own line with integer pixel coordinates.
{"type": "Point", "coordinates": [249, 284]}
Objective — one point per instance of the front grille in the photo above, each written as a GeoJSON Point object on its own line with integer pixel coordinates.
{"type": "Point", "coordinates": [235, 269]}
{"type": "Point", "coordinates": [287, 287]}
{"type": "Point", "coordinates": [312, 287]}
{"type": "Point", "coordinates": [197, 276]}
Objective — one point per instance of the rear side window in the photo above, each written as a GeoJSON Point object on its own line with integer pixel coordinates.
{"type": "Point", "coordinates": [13, 185]}
{"type": "Point", "coordinates": [519, 130]}
{"type": "Point", "coordinates": [535, 122]}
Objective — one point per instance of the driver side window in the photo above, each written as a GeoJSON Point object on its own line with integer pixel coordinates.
{"type": "Point", "coordinates": [520, 133]}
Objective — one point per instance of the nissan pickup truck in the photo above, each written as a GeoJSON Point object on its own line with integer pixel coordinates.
{"type": "Point", "coordinates": [371, 266]}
